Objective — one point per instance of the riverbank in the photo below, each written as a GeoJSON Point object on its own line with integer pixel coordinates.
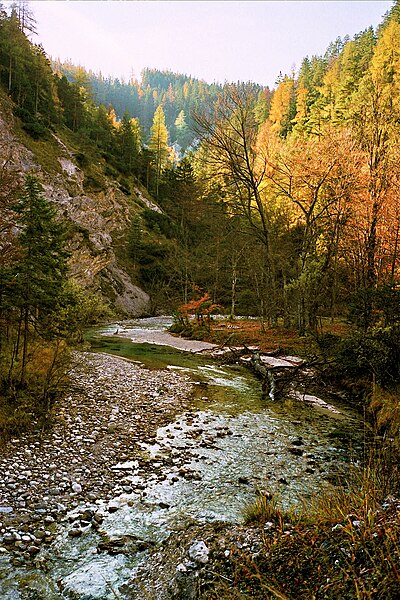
{"type": "Point", "coordinates": [82, 476]}
{"type": "Point", "coordinates": [113, 406]}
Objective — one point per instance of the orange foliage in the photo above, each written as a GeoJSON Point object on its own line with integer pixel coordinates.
{"type": "Point", "coordinates": [202, 308]}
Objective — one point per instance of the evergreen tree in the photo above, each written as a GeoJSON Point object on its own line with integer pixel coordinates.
{"type": "Point", "coordinates": [159, 144]}
{"type": "Point", "coordinates": [41, 273]}
{"type": "Point", "coordinates": [183, 134]}
{"type": "Point", "coordinates": [129, 141]}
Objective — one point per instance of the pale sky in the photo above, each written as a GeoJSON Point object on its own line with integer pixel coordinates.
{"type": "Point", "coordinates": [215, 41]}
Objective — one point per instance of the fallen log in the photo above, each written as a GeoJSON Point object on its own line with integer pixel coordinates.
{"type": "Point", "coordinates": [277, 375]}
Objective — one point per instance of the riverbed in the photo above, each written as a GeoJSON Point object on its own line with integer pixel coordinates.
{"type": "Point", "coordinates": [151, 440]}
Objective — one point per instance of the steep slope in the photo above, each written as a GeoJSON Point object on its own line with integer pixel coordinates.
{"type": "Point", "coordinates": [96, 212]}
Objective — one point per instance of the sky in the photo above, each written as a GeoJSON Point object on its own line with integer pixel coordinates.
{"type": "Point", "coordinates": [216, 41]}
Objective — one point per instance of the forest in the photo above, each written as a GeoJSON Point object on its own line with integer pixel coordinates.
{"type": "Point", "coordinates": [281, 205]}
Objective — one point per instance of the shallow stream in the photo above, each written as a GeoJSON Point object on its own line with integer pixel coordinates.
{"type": "Point", "coordinates": [206, 466]}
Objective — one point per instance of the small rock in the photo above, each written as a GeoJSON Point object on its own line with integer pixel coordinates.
{"type": "Point", "coordinates": [199, 552]}
{"type": "Point", "coordinates": [297, 442]}
{"type": "Point", "coordinates": [75, 533]}
{"type": "Point", "coordinates": [9, 538]}
{"type": "Point", "coordinates": [6, 510]}
{"type": "Point", "coordinates": [76, 487]}
{"type": "Point", "coordinates": [243, 480]}
{"type": "Point", "coordinates": [296, 451]}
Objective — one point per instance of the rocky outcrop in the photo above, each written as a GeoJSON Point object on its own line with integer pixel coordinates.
{"type": "Point", "coordinates": [95, 218]}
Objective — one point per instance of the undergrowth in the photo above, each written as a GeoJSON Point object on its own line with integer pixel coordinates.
{"type": "Point", "coordinates": [343, 545]}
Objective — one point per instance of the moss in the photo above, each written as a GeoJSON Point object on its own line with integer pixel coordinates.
{"type": "Point", "coordinates": [46, 152]}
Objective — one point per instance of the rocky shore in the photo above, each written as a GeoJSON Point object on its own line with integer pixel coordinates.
{"type": "Point", "coordinates": [114, 405]}
{"type": "Point", "coordinates": [88, 508]}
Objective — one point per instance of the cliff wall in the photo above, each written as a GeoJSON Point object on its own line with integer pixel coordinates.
{"type": "Point", "coordinates": [96, 211]}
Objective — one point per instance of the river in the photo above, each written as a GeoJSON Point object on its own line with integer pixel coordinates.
{"type": "Point", "coordinates": [204, 466]}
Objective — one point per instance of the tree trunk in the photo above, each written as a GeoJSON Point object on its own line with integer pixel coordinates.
{"type": "Point", "coordinates": [24, 346]}
{"type": "Point", "coordinates": [233, 288]}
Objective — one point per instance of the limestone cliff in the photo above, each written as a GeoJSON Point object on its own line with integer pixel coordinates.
{"type": "Point", "coordinates": [96, 212]}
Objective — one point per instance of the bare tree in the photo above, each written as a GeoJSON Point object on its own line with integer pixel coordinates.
{"type": "Point", "coordinates": [228, 131]}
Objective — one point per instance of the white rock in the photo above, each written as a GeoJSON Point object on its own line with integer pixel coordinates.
{"type": "Point", "coordinates": [76, 487]}
{"type": "Point", "coordinates": [129, 465]}
{"type": "Point", "coordinates": [199, 552]}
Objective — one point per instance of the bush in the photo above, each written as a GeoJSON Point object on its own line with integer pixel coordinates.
{"type": "Point", "coordinates": [81, 159]}
{"type": "Point", "coordinates": [35, 129]}
{"type": "Point", "coordinates": [28, 404]}
{"type": "Point", "coordinates": [92, 183]}
{"type": "Point", "coordinates": [345, 544]}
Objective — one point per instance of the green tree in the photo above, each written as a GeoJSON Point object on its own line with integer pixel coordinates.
{"type": "Point", "coordinates": [129, 142]}
{"type": "Point", "coordinates": [41, 272]}
{"type": "Point", "coordinates": [183, 134]}
{"type": "Point", "coordinates": [159, 144]}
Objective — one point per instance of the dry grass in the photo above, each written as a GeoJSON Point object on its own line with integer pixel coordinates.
{"type": "Point", "coordinates": [269, 339]}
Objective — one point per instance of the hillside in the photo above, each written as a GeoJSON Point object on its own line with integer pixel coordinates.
{"type": "Point", "coordinates": [180, 96]}
{"type": "Point", "coordinates": [95, 210]}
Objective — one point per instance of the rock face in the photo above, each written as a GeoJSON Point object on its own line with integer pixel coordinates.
{"type": "Point", "coordinates": [97, 214]}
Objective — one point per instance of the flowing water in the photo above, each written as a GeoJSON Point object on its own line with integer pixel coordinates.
{"type": "Point", "coordinates": [207, 465]}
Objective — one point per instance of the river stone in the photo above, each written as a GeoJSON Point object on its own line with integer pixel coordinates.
{"type": "Point", "coordinates": [75, 533]}
{"type": "Point", "coordinates": [6, 510]}
{"type": "Point", "coordinates": [296, 451]}
{"type": "Point", "coordinates": [199, 552]}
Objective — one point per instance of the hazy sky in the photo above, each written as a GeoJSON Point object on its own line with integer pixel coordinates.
{"type": "Point", "coordinates": [215, 41]}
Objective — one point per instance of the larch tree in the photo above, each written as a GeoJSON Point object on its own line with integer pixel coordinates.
{"type": "Point", "coordinates": [375, 113]}
{"type": "Point", "coordinates": [283, 107]}
{"type": "Point", "coordinates": [312, 179]}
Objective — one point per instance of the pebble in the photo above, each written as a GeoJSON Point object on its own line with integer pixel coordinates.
{"type": "Point", "coordinates": [199, 552]}
{"type": "Point", "coordinates": [76, 487]}
{"type": "Point", "coordinates": [75, 533]}
{"type": "Point", "coordinates": [71, 464]}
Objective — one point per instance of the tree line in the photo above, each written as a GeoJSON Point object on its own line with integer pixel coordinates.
{"type": "Point", "coordinates": [179, 95]}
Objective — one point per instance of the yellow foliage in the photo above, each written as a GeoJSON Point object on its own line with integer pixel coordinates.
{"type": "Point", "coordinates": [280, 105]}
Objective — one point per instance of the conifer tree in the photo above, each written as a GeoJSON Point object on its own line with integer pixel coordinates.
{"type": "Point", "coordinates": [41, 273]}
{"type": "Point", "coordinates": [159, 144]}
{"type": "Point", "coordinates": [183, 133]}
{"type": "Point", "coordinates": [129, 140]}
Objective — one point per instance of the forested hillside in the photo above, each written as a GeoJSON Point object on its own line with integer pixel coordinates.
{"type": "Point", "coordinates": [178, 94]}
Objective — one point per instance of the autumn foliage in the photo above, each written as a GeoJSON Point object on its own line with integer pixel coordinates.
{"type": "Point", "coordinates": [201, 308]}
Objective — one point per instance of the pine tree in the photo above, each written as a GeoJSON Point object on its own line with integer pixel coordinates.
{"type": "Point", "coordinates": [129, 140]}
{"type": "Point", "coordinates": [159, 144]}
{"type": "Point", "coordinates": [41, 273]}
{"type": "Point", "coordinates": [183, 133]}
